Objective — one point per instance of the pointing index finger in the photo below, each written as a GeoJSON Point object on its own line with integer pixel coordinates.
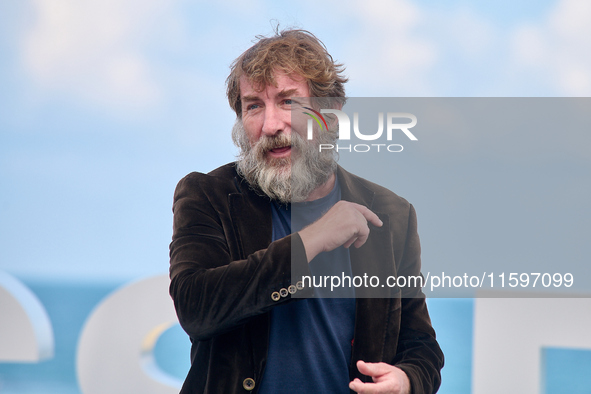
{"type": "Point", "coordinates": [369, 215]}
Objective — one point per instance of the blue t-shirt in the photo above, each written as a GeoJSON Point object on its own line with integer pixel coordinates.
{"type": "Point", "coordinates": [310, 339]}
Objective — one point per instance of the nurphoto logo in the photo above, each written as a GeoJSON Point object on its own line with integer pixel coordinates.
{"type": "Point", "coordinates": [393, 125]}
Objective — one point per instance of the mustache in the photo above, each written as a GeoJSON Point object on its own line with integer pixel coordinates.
{"type": "Point", "coordinates": [267, 143]}
{"type": "Point", "coordinates": [284, 179]}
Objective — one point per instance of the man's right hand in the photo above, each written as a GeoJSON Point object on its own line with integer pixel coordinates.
{"type": "Point", "coordinates": [346, 224]}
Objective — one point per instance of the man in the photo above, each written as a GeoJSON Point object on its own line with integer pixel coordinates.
{"type": "Point", "coordinates": [246, 233]}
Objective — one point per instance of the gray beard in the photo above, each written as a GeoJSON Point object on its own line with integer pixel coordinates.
{"type": "Point", "coordinates": [285, 180]}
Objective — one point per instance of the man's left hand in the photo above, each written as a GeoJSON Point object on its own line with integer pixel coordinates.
{"type": "Point", "coordinates": [387, 379]}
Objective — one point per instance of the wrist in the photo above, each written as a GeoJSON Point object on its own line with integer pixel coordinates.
{"type": "Point", "coordinates": [311, 245]}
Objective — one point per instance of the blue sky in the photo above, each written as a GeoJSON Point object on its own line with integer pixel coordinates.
{"type": "Point", "coordinates": [106, 104]}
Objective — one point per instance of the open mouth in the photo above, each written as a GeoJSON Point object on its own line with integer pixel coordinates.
{"type": "Point", "coordinates": [282, 151]}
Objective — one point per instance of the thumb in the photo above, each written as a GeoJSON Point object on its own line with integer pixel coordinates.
{"type": "Point", "coordinates": [372, 369]}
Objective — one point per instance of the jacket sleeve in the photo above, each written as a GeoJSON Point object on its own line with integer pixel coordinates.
{"type": "Point", "coordinates": [418, 353]}
{"type": "Point", "coordinates": [212, 292]}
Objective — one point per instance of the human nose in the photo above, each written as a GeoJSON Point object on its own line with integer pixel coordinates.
{"type": "Point", "coordinates": [275, 121]}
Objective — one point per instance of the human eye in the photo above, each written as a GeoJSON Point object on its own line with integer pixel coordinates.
{"type": "Point", "coordinates": [251, 107]}
{"type": "Point", "coordinates": [288, 101]}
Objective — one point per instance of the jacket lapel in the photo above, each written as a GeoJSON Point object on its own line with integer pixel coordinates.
{"type": "Point", "coordinates": [251, 217]}
{"type": "Point", "coordinates": [375, 256]}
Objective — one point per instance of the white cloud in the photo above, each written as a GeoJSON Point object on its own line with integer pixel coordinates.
{"type": "Point", "coordinates": [470, 32]}
{"type": "Point", "coordinates": [101, 51]}
{"type": "Point", "coordinates": [405, 48]}
{"type": "Point", "coordinates": [528, 46]}
{"type": "Point", "coordinates": [557, 49]}
{"type": "Point", "coordinates": [390, 57]}
{"type": "Point", "coordinates": [95, 50]}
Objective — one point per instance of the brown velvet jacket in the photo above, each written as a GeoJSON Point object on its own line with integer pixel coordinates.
{"type": "Point", "coordinates": [225, 270]}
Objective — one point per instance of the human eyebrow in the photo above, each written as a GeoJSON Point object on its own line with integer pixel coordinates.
{"type": "Point", "coordinates": [250, 98]}
{"type": "Point", "coordinates": [288, 93]}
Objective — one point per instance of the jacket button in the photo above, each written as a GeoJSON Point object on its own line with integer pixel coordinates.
{"type": "Point", "coordinates": [248, 384]}
{"type": "Point", "coordinates": [283, 292]}
{"type": "Point", "coordinates": [292, 289]}
{"type": "Point", "coordinates": [300, 285]}
{"type": "Point", "coordinates": [275, 296]}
